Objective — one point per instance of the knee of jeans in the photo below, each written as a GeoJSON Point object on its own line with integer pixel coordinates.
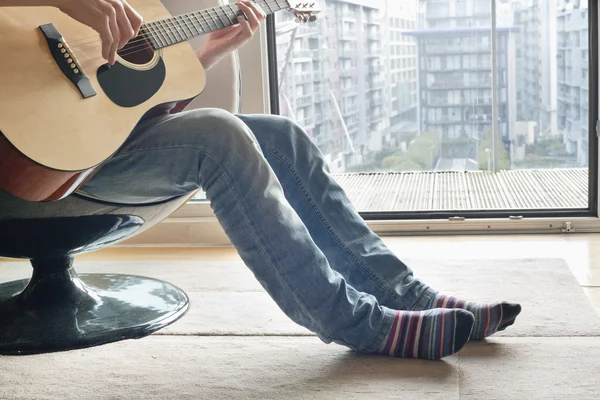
{"type": "Point", "coordinates": [222, 133]}
{"type": "Point", "coordinates": [286, 136]}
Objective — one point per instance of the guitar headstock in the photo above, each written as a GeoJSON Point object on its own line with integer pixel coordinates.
{"type": "Point", "coordinates": [304, 12]}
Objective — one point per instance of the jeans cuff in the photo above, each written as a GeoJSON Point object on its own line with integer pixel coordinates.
{"type": "Point", "coordinates": [381, 337]}
{"type": "Point", "coordinates": [424, 299]}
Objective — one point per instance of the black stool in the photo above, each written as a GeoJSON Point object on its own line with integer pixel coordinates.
{"type": "Point", "coordinates": [57, 309]}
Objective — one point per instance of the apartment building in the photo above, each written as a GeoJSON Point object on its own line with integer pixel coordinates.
{"type": "Point", "coordinates": [455, 71]}
{"type": "Point", "coordinates": [573, 77]}
{"type": "Point", "coordinates": [402, 70]}
{"type": "Point", "coordinates": [536, 53]}
{"type": "Point", "coordinates": [350, 78]}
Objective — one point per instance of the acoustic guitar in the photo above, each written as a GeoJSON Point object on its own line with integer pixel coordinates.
{"type": "Point", "coordinates": [64, 110]}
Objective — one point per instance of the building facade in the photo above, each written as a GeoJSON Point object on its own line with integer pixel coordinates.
{"type": "Point", "coordinates": [536, 53]}
{"type": "Point", "coordinates": [350, 78]}
{"type": "Point", "coordinates": [573, 77]}
{"type": "Point", "coordinates": [455, 72]}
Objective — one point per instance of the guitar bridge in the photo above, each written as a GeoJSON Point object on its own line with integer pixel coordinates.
{"type": "Point", "coordinates": [66, 60]}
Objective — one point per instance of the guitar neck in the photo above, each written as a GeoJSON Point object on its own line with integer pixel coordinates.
{"type": "Point", "coordinates": [170, 31]}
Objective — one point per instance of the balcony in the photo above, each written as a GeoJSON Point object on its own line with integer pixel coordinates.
{"type": "Point", "coordinates": [457, 49]}
{"type": "Point", "coordinates": [302, 101]}
{"type": "Point", "coordinates": [304, 77]}
{"type": "Point", "coordinates": [374, 71]}
{"type": "Point", "coordinates": [442, 121]}
{"type": "Point", "coordinates": [375, 84]}
{"type": "Point", "coordinates": [480, 118]}
{"type": "Point", "coordinates": [304, 53]}
{"type": "Point", "coordinates": [349, 72]}
{"type": "Point", "coordinates": [373, 35]}
{"type": "Point", "coordinates": [472, 190]}
{"type": "Point", "coordinates": [320, 96]}
{"type": "Point", "coordinates": [348, 35]}
{"type": "Point", "coordinates": [375, 115]}
{"type": "Point", "coordinates": [308, 121]}
{"type": "Point", "coordinates": [457, 84]}
{"type": "Point", "coordinates": [350, 110]}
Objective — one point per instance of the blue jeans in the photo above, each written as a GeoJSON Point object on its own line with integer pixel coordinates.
{"type": "Point", "coordinates": [291, 223]}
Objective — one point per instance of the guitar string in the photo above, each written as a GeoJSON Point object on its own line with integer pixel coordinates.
{"type": "Point", "coordinates": [211, 12]}
{"type": "Point", "coordinates": [144, 46]}
{"type": "Point", "coordinates": [168, 38]}
{"type": "Point", "coordinates": [208, 10]}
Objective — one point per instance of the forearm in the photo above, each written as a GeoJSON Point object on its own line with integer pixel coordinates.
{"type": "Point", "coordinates": [207, 59]}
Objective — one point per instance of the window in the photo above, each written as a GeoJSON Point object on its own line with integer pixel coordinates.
{"type": "Point", "coordinates": [423, 101]}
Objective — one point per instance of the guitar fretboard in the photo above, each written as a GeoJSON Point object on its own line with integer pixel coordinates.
{"type": "Point", "coordinates": [183, 27]}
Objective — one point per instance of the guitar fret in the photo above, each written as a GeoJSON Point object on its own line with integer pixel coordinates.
{"type": "Point", "coordinates": [210, 28]}
{"type": "Point", "coordinates": [195, 15]}
{"type": "Point", "coordinates": [205, 21]}
{"type": "Point", "coordinates": [163, 33]}
{"type": "Point", "coordinates": [231, 19]}
{"type": "Point", "coordinates": [186, 28]}
{"type": "Point", "coordinates": [168, 31]}
{"type": "Point", "coordinates": [156, 26]}
{"type": "Point", "coordinates": [213, 20]}
{"type": "Point", "coordinates": [151, 33]}
{"type": "Point", "coordinates": [221, 17]}
{"type": "Point", "coordinates": [198, 30]}
{"type": "Point", "coordinates": [175, 26]}
{"type": "Point", "coordinates": [217, 20]}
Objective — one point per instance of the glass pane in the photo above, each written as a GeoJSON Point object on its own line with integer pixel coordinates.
{"type": "Point", "coordinates": [398, 95]}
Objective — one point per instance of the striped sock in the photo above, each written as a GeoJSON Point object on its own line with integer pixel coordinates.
{"type": "Point", "coordinates": [489, 318]}
{"type": "Point", "coordinates": [430, 334]}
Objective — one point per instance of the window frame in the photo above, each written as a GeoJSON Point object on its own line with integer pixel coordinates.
{"type": "Point", "coordinates": [194, 224]}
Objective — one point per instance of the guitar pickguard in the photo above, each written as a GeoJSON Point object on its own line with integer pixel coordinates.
{"type": "Point", "coordinates": [127, 87]}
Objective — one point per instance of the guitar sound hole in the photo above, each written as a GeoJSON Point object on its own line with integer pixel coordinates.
{"type": "Point", "coordinates": [137, 51]}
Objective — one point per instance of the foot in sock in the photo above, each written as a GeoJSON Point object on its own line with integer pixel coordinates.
{"type": "Point", "coordinates": [430, 334]}
{"type": "Point", "coordinates": [489, 318]}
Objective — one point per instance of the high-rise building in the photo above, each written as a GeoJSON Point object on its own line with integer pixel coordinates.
{"type": "Point", "coordinates": [401, 70]}
{"type": "Point", "coordinates": [573, 76]}
{"type": "Point", "coordinates": [455, 72]}
{"type": "Point", "coordinates": [334, 75]}
{"type": "Point", "coordinates": [536, 53]}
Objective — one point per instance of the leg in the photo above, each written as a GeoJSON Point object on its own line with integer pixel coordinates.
{"type": "Point", "coordinates": [216, 151]}
{"type": "Point", "coordinates": [350, 246]}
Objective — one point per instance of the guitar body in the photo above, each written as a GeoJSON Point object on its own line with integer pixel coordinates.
{"type": "Point", "coordinates": [53, 137]}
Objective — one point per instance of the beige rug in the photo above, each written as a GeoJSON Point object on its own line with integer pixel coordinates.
{"type": "Point", "coordinates": [281, 368]}
{"type": "Point", "coordinates": [554, 351]}
{"type": "Point", "coordinates": [227, 300]}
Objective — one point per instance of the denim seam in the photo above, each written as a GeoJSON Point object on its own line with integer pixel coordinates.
{"type": "Point", "coordinates": [288, 164]}
{"type": "Point", "coordinates": [248, 221]}
{"type": "Point", "coordinates": [160, 146]}
{"type": "Point", "coordinates": [380, 333]}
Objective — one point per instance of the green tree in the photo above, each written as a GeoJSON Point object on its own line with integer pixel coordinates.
{"type": "Point", "coordinates": [502, 156]}
{"type": "Point", "coordinates": [419, 155]}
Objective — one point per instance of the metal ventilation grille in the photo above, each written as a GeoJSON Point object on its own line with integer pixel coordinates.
{"type": "Point", "coordinates": [470, 190]}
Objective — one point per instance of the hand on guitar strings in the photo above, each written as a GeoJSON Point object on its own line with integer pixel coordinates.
{"type": "Point", "coordinates": [115, 20]}
{"type": "Point", "coordinates": [221, 42]}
